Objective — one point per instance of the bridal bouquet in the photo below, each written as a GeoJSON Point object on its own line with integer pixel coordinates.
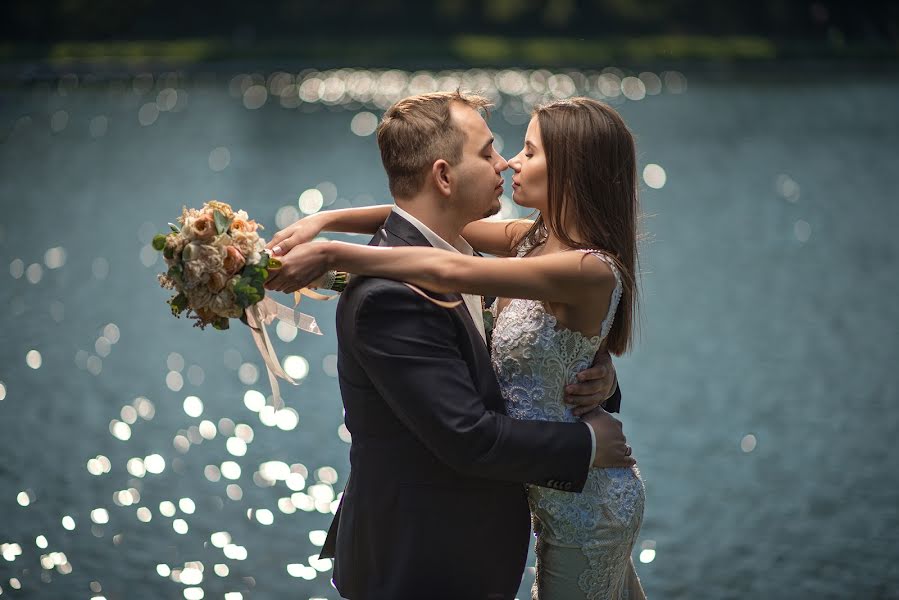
{"type": "Point", "coordinates": [217, 265]}
{"type": "Point", "coordinates": [216, 262]}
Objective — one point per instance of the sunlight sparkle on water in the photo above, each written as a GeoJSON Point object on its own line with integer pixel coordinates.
{"type": "Point", "coordinates": [193, 406]}
{"type": "Point", "coordinates": [219, 159]}
{"type": "Point", "coordinates": [364, 124]}
{"type": "Point", "coordinates": [748, 443]}
{"type": "Point", "coordinates": [311, 201]}
{"type": "Point", "coordinates": [647, 551]}
{"type": "Point", "coordinates": [296, 366]}
{"type": "Point", "coordinates": [254, 400]}
{"type": "Point", "coordinates": [33, 359]}
{"type": "Point", "coordinates": [654, 176]}
{"type": "Point", "coordinates": [248, 373]}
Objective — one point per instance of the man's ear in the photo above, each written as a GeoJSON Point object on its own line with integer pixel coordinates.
{"type": "Point", "coordinates": [440, 173]}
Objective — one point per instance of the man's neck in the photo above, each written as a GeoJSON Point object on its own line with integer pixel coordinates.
{"type": "Point", "coordinates": [442, 222]}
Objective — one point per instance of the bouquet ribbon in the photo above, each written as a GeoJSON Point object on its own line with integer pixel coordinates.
{"type": "Point", "coordinates": [263, 313]}
{"type": "Point", "coordinates": [267, 310]}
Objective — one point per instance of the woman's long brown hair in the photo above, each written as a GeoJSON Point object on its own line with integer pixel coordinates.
{"type": "Point", "coordinates": [591, 168]}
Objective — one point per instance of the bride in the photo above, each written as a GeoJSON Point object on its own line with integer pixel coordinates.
{"type": "Point", "coordinates": [567, 289]}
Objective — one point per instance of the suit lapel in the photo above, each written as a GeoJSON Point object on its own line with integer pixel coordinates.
{"type": "Point", "coordinates": [398, 231]}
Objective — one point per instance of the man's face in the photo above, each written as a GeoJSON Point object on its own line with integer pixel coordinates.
{"type": "Point", "coordinates": [477, 183]}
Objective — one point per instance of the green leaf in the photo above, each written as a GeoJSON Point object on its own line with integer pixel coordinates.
{"type": "Point", "coordinates": [175, 272]}
{"type": "Point", "coordinates": [274, 263]}
{"type": "Point", "coordinates": [221, 324]}
{"type": "Point", "coordinates": [222, 223]}
{"type": "Point", "coordinates": [159, 242]}
{"type": "Point", "coordinates": [174, 228]}
{"type": "Point", "coordinates": [178, 304]}
{"type": "Point", "coordinates": [248, 292]}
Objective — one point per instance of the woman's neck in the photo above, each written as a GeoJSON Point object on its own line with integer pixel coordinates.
{"type": "Point", "coordinates": [554, 244]}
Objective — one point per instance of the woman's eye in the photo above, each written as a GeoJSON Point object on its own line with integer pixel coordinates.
{"type": "Point", "coordinates": [529, 155]}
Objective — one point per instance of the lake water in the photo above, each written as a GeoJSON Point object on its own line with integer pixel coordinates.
{"type": "Point", "coordinates": [760, 401]}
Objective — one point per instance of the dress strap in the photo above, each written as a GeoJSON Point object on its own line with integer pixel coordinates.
{"type": "Point", "coordinates": [616, 294]}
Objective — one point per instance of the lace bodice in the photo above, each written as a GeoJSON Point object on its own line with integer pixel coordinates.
{"type": "Point", "coordinates": [534, 360]}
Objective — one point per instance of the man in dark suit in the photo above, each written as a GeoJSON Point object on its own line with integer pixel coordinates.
{"type": "Point", "coordinates": [434, 506]}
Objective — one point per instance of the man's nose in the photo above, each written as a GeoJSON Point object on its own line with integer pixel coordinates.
{"type": "Point", "coordinates": [501, 165]}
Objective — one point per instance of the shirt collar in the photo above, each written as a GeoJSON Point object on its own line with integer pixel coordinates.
{"type": "Point", "coordinates": [435, 240]}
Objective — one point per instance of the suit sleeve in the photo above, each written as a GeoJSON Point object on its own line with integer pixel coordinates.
{"type": "Point", "coordinates": [409, 350]}
{"type": "Point", "coordinates": [613, 404]}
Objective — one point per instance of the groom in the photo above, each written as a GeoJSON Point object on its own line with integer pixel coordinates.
{"type": "Point", "coordinates": [434, 506]}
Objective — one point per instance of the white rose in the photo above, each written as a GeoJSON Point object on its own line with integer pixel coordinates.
{"type": "Point", "coordinates": [200, 261]}
{"type": "Point", "coordinates": [199, 297]}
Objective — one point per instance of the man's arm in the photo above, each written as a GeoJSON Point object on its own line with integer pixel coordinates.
{"type": "Point", "coordinates": [409, 349]}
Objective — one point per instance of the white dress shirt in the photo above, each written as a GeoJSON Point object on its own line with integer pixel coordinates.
{"type": "Point", "coordinates": [473, 302]}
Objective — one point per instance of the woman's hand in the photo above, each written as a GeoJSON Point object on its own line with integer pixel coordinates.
{"type": "Point", "coordinates": [301, 231]}
{"type": "Point", "coordinates": [301, 266]}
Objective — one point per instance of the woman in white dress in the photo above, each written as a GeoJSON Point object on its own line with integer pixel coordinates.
{"type": "Point", "coordinates": [567, 289]}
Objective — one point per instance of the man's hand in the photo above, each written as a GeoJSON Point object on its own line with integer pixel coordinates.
{"type": "Point", "coordinates": [595, 385]}
{"type": "Point", "coordinates": [300, 267]}
{"type": "Point", "coordinates": [611, 446]}
{"type": "Point", "coordinates": [301, 231]}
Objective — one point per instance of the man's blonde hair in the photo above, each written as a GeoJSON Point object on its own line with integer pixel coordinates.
{"type": "Point", "coordinates": [418, 130]}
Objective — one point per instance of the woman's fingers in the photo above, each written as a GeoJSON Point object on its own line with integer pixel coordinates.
{"type": "Point", "coordinates": [280, 236]}
{"type": "Point", "coordinates": [284, 245]}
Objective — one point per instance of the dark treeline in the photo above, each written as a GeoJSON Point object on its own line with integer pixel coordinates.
{"type": "Point", "coordinates": [827, 21]}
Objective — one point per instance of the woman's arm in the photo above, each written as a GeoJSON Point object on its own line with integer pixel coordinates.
{"type": "Point", "coordinates": [499, 238]}
{"type": "Point", "coordinates": [563, 277]}
{"type": "Point", "coordinates": [343, 220]}
{"type": "Point", "coordinates": [493, 237]}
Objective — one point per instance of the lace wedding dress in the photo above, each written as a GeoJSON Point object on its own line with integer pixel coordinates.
{"type": "Point", "coordinates": [584, 540]}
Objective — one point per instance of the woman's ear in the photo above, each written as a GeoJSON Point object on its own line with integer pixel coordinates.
{"type": "Point", "coordinates": [440, 172]}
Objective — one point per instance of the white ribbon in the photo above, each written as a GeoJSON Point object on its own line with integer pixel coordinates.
{"type": "Point", "coordinates": [263, 313]}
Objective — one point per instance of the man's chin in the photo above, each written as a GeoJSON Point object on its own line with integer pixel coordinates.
{"type": "Point", "coordinates": [494, 209]}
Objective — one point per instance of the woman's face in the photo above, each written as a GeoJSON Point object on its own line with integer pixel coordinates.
{"type": "Point", "coordinates": [530, 187]}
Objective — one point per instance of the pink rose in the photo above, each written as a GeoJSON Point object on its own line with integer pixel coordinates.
{"type": "Point", "coordinates": [234, 260]}
{"type": "Point", "coordinates": [204, 227]}
{"type": "Point", "coordinates": [242, 225]}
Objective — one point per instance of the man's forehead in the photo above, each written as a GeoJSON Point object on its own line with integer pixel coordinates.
{"type": "Point", "coordinates": [471, 122]}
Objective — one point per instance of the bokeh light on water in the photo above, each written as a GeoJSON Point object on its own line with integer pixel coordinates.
{"type": "Point", "coordinates": [141, 458]}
